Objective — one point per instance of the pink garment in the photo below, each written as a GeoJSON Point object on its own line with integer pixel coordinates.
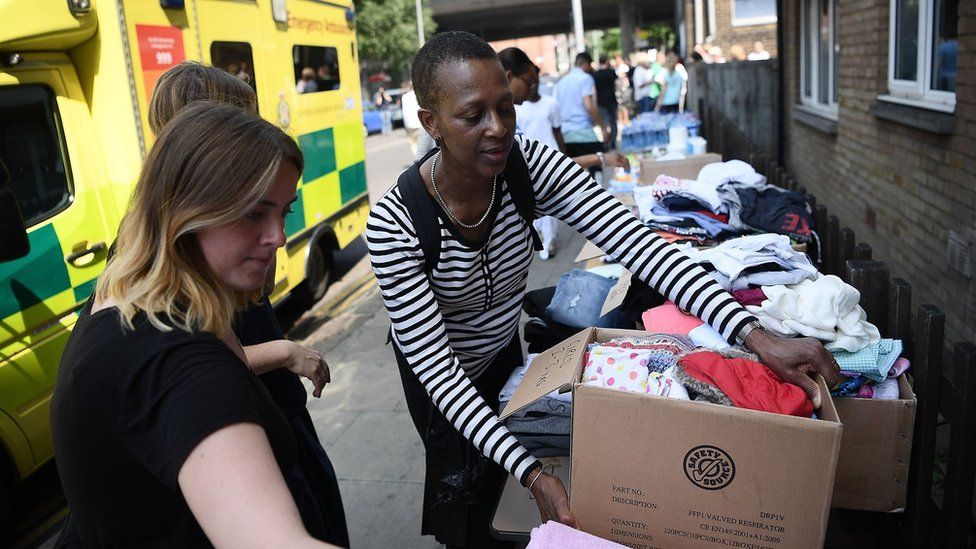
{"type": "Point", "coordinates": [900, 366]}
{"type": "Point", "coordinates": [886, 390]}
{"type": "Point", "coordinates": [750, 296]}
{"type": "Point", "coordinates": [669, 319]}
{"type": "Point", "coordinates": [554, 534]}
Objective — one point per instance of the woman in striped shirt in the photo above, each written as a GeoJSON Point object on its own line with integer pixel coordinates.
{"type": "Point", "coordinates": [455, 328]}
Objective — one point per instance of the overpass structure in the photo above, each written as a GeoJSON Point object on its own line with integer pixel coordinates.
{"type": "Point", "coordinates": [505, 19]}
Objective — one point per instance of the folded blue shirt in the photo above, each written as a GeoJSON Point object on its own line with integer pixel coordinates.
{"type": "Point", "coordinates": [873, 361]}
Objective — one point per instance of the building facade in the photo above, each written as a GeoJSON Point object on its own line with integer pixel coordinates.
{"type": "Point", "coordinates": [551, 52]}
{"type": "Point", "coordinates": [880, 125]}
{"type": "Point", "coordinates": [730, 23]}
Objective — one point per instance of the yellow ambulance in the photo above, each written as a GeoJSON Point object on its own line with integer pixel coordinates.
{"type": "Point", "coordinates": [75, 81]}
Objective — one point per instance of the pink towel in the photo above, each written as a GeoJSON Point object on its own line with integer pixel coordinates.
{"type": "Point", "coordinates": [554, 534]}
{"type": "Point", "coordinates": [669, 319]}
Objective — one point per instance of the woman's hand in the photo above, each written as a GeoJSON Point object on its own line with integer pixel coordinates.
{"type": "Point", "coordinates": [794, 360]}
{"type": "Point", "coordinates": [307, 363]}
{"type": "Point", "coordinates": [550, 496]}
{"type": "Point", "coordinates": [617, 160]}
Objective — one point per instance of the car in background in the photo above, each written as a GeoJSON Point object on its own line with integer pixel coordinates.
{"type": "Point", "coordinates": [372, 119]}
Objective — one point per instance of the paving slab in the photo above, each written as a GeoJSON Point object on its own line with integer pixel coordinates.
{"type": "Point", "coordinates": [384, 515]}
{"type": "Point", "coordinates": [379, 446]}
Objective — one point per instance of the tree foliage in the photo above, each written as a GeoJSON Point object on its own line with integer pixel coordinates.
{"type": "Point", "coordinates": [661, 36]}
{"type": "Point", "coordinates": [387, 32]}
{"type": "Point", "coordinates": [610, 42]}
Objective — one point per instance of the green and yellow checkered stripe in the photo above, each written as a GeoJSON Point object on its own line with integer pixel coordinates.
{"type": "Point", "coordinates": [334, 175]}
{"type": "Point", "coordinates": [34, 286]}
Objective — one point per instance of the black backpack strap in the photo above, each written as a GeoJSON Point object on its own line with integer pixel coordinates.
{"type": "Point", "coordinates": [421, 209]}
{"type": "Point", "coordinates": [520, 187]}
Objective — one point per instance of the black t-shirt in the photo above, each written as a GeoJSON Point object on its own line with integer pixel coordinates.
{"type": "Point", "coordinates": [606, 87]}
{"type": "Point", "coordinates": [258, 324]}
{"type": "Point", "coordinates": [128, 408]}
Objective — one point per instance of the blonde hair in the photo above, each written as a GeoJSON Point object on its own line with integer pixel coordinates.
{"type": "Point", "coordinates": [190, 81]}
{"type": "Point", "coordinates": [211, 165]}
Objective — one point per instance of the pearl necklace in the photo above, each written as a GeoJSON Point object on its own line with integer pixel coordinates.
{"type": "Point", "coordinates": [450, 214]}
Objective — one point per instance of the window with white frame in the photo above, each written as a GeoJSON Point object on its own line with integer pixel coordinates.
{"type": "Point", "coordinates": [753, 12]}
{"type": "Point", "coordinates": [704, 20]}
{"type": "Point", "coordinates": [818, 56]}
{"type": "Point", "coordinates": [922, 52]}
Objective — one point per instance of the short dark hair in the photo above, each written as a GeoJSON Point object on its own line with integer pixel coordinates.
{"type": "Point", "coordinates": [515, 60]}
{"type": "Point", "coordinates": [443, 48]}
{"type": "Point", "coordinates": [604, 59]}
{"type": "Point", "coordinates": [583, 58]}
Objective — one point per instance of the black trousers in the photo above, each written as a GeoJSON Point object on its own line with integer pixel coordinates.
{"type": "Point", "coordinates": [458, 521]}
{"type": "Point", "coordinates": [579, 149]}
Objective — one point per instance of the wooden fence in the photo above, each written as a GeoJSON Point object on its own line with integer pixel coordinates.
{"type": "Point", "coordinates": [745, 92]}
{"type": "Point", "coordinates": [940, 487]}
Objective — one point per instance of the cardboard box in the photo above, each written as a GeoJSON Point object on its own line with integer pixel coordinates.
{"type": "Point", "coordinates": [687, 168]}
{"type": "Point", "coordinates": [650, 471]}
{"type": "Point", "coordinates": [872, 468]}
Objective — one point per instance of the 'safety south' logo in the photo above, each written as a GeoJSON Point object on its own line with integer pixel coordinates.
{"type": "Point", "coordinates": [709, 467]}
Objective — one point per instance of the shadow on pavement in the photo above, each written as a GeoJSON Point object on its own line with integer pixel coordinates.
{"type": "Point", "coordinates": [290, 313]}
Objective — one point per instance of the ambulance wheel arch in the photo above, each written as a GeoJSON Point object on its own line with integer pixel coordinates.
{"type": "Point", "coordinates": [318, 266]}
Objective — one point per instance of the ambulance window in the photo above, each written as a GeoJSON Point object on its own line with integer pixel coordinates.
{"type": "Point", "coordinates": [32, 151]}
{"type": "Point", "coordinates": [235, 58]}
{"type": "Point", "coordinates": [316, 68]}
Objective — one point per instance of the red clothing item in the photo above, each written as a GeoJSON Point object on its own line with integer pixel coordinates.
{"type": "Point", "coordinates": [724, 218]}
{"type": "Point", "coordinates": [748, 384]}
{"type": "Point", "coordinates": [751, 296]}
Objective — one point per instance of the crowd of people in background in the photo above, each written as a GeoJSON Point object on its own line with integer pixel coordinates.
{"type": "Point", "coordinates": [582, 114]}
{"type": "Point", "coordinates": [711, 53]}
{"type": "Point", "coordinates": [588, 104]}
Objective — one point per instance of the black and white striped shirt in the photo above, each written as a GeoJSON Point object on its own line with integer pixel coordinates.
{"type": "Point", "coordinates": [451, 326]}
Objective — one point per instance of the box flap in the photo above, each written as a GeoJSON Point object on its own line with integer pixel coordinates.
{"type": "Point", "coordinates": [589, 251]}
{"type": "Point", "coordinates": [873, 464]}
{"type": "Point", "coordinates": [557, 368]}
{"type": "Point", "coordinates": [616, 295]}
{"type": "Point", "coordinates": [686, 168]}
{"type": "Point", "coordinates": [828, 411]}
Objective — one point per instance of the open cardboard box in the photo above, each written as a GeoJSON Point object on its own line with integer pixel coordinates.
{"type": "Point", "coordinates": [686, 168]}
{"type": "Point", "coordinates": [650, 471]}
{"type": "Point", "coordinates": [872, 468]}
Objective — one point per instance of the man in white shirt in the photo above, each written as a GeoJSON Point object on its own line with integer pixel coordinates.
{"type": "Point", "coordinates": [758, 52]}
{"type": "Point", "coordinates": [411, 121]}
{"type": "Point", "coordinates": [539, 118]}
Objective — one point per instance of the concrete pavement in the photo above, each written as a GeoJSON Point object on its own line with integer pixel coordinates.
{"type": "Point", "coordinates": [362, 418]}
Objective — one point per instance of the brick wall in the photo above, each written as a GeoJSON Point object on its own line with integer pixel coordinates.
{"type": "Point", "coordinates": [726, 35]}
{"type": "Point", "coordinates": [920, 185]}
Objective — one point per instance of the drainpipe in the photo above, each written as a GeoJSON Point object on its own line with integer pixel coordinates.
{"type": "Point", "coordinates": [679, 27]}
{"type": "Point", "coordinates": [781, 73]}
